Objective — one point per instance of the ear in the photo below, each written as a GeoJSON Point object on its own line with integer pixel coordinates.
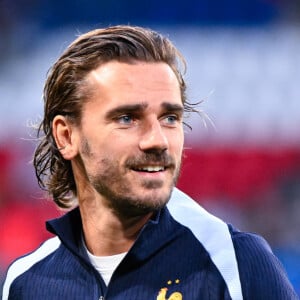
{"type": "Point", "coordinates": [65, 137]}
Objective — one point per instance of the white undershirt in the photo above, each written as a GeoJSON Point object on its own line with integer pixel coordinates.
{"type": "Point", "coordinates": [105, 265]}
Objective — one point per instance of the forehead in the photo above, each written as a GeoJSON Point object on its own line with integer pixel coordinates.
{"type": "Point", "coordinates": [141, 77]}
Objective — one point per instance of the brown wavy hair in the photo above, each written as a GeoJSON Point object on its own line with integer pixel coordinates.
{"type": "Point", "coordinates": [66, 91]}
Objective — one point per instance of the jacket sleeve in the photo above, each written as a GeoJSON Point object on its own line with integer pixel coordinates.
{"type": "Point", "coordinates": [261, 273]}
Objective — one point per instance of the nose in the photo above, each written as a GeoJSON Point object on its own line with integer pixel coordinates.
{"type": "Point", "coordinates": [153, 137]}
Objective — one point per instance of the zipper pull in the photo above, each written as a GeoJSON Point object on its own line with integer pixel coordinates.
{"type": "Point", "coordinates": [101, 298]}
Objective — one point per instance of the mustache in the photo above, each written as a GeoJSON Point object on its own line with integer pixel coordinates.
{"type": "Point", "coordinates": [160, 158]}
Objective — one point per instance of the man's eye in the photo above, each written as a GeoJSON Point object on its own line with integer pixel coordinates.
{"type": "Point", "coordinates": [171, 119]}
{"type": "Point", "coordinates": [125, 119]}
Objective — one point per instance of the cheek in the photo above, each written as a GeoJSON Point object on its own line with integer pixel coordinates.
{"type": "Point", "coordinates": [176, 143]}
{"type": "Point", "coordinates": [111, 148]}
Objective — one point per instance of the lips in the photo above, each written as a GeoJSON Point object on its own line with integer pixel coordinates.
{"type": "Point", "coordinates": [150, 169]}
{"type": "Point", "coordinates": [154, 162]}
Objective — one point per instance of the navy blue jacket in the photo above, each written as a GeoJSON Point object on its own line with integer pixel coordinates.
{"type": "Point", "coordinates": [183, 252]}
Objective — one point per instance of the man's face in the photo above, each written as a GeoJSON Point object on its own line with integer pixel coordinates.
{"type": "Point", "coordinates": [131, 135]}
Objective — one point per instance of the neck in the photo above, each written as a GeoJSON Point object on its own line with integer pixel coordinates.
{"type": "Point", "coordinates": [107, 233]}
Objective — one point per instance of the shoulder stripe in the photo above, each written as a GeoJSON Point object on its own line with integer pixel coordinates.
{"type": "Point", "coordinates": [214, 235]}
{"type": "Point", "coordinates": [24, 263]}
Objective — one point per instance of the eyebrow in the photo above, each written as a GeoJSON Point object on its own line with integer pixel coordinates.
{"type": "Point", "coordinates": [171, 107]}
{"type": "Point", "coordinates": [136, 108]}
{"type": "Point", "coordinates": [127, 108]}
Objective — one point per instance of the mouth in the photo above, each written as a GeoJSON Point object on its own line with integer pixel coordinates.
{"type": "Point", "coordinates": [150, 169]}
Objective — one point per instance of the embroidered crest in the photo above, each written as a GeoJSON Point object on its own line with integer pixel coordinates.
{"type": "Point", "coordinates": [162, 295]}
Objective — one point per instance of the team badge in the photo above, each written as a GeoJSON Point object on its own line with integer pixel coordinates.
{"type": "Point", "coordinates": [162, 295]}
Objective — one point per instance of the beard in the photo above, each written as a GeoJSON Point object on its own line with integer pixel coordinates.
{"type": "Point", "coordinates": [137, 197]}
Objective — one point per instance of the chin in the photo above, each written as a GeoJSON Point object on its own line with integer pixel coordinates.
{"type": "Point", "coordinates": [145, 202]}
{"type": "Point", "coordinates": [156, 198]}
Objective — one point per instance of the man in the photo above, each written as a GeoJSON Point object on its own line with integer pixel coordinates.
{"type": "Point", "coordinates": [113, 139]}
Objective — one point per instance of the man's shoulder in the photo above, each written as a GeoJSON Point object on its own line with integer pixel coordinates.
{"type": "Point", "coordinates": [26, 262]}
{"type": "Point", "coordinates": [244, 259]}
{"type": "Point", "coordinates": [261, 273]}
{"type": "Point", "coordinates": [205, 226]}
{"type": "Point", "coordinates": [252, 251]}
{"type": "Point", "coordinates": [212, 233]}
{"type": "Point", "coordinates": [248, 240]}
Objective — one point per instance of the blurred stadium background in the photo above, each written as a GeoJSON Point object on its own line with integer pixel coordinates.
{"type": "Point", "coordinates": [243, 62]}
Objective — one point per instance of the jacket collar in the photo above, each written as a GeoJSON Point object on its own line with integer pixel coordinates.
{"type": "Point", "coordinates": [156, 232]}
{"type": "Point", "coordinates": [69, 230]}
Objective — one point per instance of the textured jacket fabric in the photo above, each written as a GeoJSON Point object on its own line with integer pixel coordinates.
{"type": "Point", "coordinates": [183, 252]}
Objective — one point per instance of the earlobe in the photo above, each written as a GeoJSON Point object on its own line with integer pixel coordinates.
{"type": "Point", "coordinates": [63, 134]}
